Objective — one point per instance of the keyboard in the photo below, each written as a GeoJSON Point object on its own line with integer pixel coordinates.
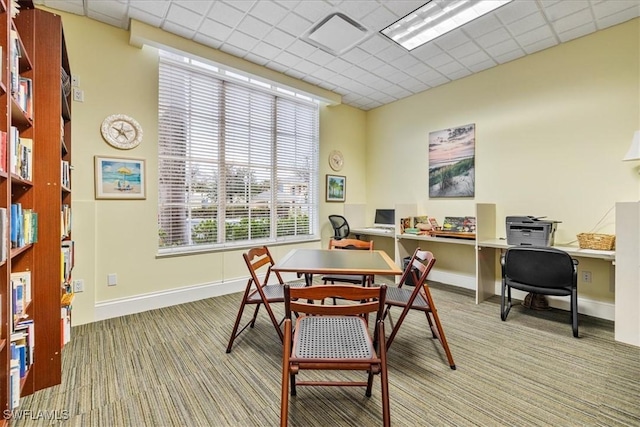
{"type": "Point", "coordinates": [378, 230]}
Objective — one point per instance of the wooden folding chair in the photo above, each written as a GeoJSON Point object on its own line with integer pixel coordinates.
{"type": "Point", "coordinates": [418, 298]}
{"type": "Point", "coordinates": [334, 337]}
{"type": "Point", "coordinates": [352, 244]}
{"type": "Point", "coordinates": [259, 292]}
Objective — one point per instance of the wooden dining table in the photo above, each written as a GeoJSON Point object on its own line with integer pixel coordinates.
{"type": "Point", "coordinates": [324, 261]}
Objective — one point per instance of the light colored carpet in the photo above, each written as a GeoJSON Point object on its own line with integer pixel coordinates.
{"type": "Point", "coordinates": [169, 368]}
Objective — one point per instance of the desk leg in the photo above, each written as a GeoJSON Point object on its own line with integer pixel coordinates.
{"type": "Point", "coordinates": [486, 273]}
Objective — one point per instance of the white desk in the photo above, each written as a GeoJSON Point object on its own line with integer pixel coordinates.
{"type": "Point", "coordinates": [372, 231]}
{"type": "Point", "coordinates": [490, 250]}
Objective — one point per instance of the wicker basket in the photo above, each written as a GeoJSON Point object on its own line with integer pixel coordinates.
{"type": "Point", "coordinates": [596, 241]}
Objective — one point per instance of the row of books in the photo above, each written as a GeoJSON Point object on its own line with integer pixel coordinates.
{"type": "Point", "coordinates": [67, 260]}
{"type": "Point", "coordinates": [24, 96]}
{"type": "Point", "coordinates": [23, 226]}
{"type": "Point", "coordinates": [426, 224]}
{"type": "Point", "coordinates": [65, 174]}
{"type": "Point", "coordinates": [65, 221]}
{"type": "Point", "coordinates": [22, 350]}
{"type": "Point", "coordinates": [21, 294]}
{"type": "Point", "coordinates": [21, 155]}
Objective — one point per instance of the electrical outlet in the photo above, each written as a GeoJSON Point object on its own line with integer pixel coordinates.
{"type": "Point", "coordinates": [78, 95]}
{"type": "Point", "coordinates": [78, 285]}
{"type": "Point", "coordinates": [112, 279]}
{"type": "Point", "coordinates": [586, 276]}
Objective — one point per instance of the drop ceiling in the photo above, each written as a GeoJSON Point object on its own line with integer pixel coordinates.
{"type": "Point", "coordinates": [375, 71]}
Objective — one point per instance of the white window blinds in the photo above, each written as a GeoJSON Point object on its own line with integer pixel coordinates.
{"type": "Point", "coordinates": [238, 164]}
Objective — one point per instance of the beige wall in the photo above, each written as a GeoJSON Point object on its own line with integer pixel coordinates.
{"type": "Point", "coordinates": [551, 131]}
{"type": "Point", "coordinates": [121, 236]}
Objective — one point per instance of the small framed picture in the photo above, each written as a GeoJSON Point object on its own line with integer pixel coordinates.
{"type": "Point", "coordinates": [119, 178]}
{"type": "Point", "coordinates": [336, 188]}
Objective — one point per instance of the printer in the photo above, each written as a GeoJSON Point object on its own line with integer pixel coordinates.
{"type": "Point", "coordinates": [530, 231]}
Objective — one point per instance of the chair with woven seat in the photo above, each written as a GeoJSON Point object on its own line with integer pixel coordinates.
{"type": "Point", "coordinates": [259, 292]}
{"type": "Point", "coordinates": [419, 298]}
{"type": "Point", "coordinates": [540, 270]}
{"type": "Point", "coordinates": [340, 226]}
{"type": "Point", "coordinates": [335, 338]}
{"type": "Point", "coordinates": [349, 244]}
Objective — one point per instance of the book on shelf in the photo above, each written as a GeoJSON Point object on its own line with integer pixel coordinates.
{"type": "Point", "coordinates": [422, 223]}
{"type": "Point", "coordinates": [434, 223]}
{"type": "Point", "coordinates": [25, 158]}
{"type": "Point", "coordinates": [3, 151]}
{"type": "Point", "coordinates": [21, 294]}
{"type": "Point", "coordinates": [65, 325]}
{"type": "Point", "coordinates": [65, 221]}
{"type": "Point", "coordinates": [14, 138]}
{"type": "Point", "coordinates": [16, 224]}
{"type": "Point", "coordinates": [24, 95]}
{"type": "Point", "coordinates": [14, 67]}
{"type": "Point", "coordinates": [65, 174]}
{"type": "Point", "coordinates": [68, 259]}
{"type": "Point", "coordinates": [14, 383]}
{"type": "Point", "coordinates": [4, 233]}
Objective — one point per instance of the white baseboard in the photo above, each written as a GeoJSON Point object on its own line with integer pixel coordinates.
{"type": "Point", "coordinates": [151, 301]}
{"type": "Point", "coordinates": [460, 280]}
{"type": "Point", "coordinates": [599, 309]}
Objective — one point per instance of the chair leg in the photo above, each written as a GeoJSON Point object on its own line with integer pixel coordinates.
{"type": "Point", "coordinates": [574, 311]}
{"type": "Point", "coordinates": [384, 377]}
{"type": "Point", "coordinates": [440, 331]}
{"type": "Point", "coordinates": [404, 313]}
{"type": "Point", "coordinates": [505, 306]}
{"type": "Point", "coordinates": [234, 332]}
{"type": "Point", "coordinates": [443, 340]}
{"type": "Point", "coordinates": [284, 395]}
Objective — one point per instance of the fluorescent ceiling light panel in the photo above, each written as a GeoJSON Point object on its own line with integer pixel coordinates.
{"type": "Point", "coordinates": [436, 18]}
{"type": "Point", "coordinates": [336, 34]}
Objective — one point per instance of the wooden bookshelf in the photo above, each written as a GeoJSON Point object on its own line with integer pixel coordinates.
{"type": "Point", "coordinates": [30, 175]}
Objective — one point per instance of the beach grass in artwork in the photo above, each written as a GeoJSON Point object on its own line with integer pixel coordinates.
{"type": "Point", "coordinates": [452, 162]}
{"type": "Point", "coordinates": [119, 178]}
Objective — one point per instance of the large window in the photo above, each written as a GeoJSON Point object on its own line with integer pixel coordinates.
{"type": "Point", "coordinates": [238, 160]}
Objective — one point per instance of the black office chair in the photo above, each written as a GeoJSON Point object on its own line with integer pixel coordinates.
{"type": "Point", "coordinates": [539, 270]}
{"type": "Point", "coordinates": [340, 226]}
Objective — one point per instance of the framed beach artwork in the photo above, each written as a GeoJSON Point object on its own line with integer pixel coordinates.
{"type": "Point", "coordinates": [119, 178]}
{"type": "Point", "coordinates": [336, 188]}
{"type": "Point", "coordinates": [452, 162]}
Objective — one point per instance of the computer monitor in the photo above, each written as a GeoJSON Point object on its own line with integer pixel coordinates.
{"type": "Point", "coordinates": [385, 218]}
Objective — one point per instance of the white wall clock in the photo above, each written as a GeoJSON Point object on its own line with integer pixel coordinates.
{"type": "Point", "coordinates": [336, 160]}
{"type": "Point", "coordinates": [121, 131]}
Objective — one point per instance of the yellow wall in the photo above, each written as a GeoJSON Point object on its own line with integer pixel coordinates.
{"type": "Point", "coordinates": [551, 131]}
{"type": "Point", "coordinates": [121, 236]}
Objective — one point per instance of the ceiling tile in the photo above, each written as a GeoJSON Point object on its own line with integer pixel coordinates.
{"type": "Point", "coordinates": [497, 36]}
{"type": "Point", "coordinates": [526, 24]}
{"type": "Point", "coordinates": [257, 28]}
{"type": "Point", "coordinates": [269, 12]}
{"type": "Point", "coordinates": [377, 70]}
{"type": "Point", "coordinates": [576, 32]}
{"type": "Point", "coordinates": [295, 25]}
{"type": "Point", "coordinates": [155, 8]}
{"type": "Point", "coordinates": [279, 38]}
{"type": "Point", "coordinates": [222, 12]}
{"type": "Point", "coordinates": [146, 17]}
{"type": "Point", "coordinates": [215, 30]}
